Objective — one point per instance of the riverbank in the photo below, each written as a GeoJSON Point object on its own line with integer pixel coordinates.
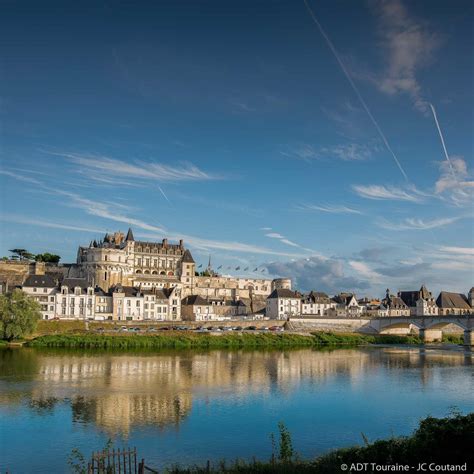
{"type": "Point", "coordinates": [445, 444]}
{"type": "Point", "coordinates": [188, 340]}
{"type": "Point", "coordinates": [442, 442]}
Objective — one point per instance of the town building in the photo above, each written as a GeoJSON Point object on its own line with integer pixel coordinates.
{"type": "Point", "coordinates": [346, 305]}
{"type": "Point", "coordinates": [395, 305]}
{"type": "Point", "coordinates": [196, 308]}
{"type": "Point", "coordinates": [42, 288]}
{"type": "Point", "coordinates": [420, 303]}
{"type": "Point", "coordinates": [453, 303]}
{"type": "Point", "coordinates": [283, 304]}
{"type": "Point", "coordinates": [75, 299]}
{"type": "Point", "coordinates": [316, 303]}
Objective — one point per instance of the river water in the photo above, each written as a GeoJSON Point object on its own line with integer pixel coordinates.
{"type": "Point", "coordinates": [191, 406]}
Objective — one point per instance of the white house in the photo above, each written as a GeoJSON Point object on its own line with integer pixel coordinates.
{"type": "Point", "coordinates": [196, 308]}
{"type": "Point", "coordinates": [346, 305]}
{"type": "Point", "coordinates": [42, 288]}
{"type": "Point", "coordinates": [283, 303]}
{"type": "Point", "coordinates": [75, 299]}
{"type": "Point", "coordinates": [395, 305]}
{"type": "Point", "coordinates": [316, 303]}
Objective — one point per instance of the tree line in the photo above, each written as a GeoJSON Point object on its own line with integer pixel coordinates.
{"type": "Point", "coordinates": [23, 254]}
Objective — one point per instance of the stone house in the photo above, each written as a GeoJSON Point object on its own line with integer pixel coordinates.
{"type": "Point", "coordinates": [43, 289]}
{"type": "Point", "coordinates": [283, 304]}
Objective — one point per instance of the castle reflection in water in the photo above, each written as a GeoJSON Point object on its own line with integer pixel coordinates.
{"type": "Point", "coordinates": [119, 391]}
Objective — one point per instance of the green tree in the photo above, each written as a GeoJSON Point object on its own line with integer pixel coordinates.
{"type": "Point", "coordinates": [18, 315]}
{"type": "Point", "coordinates": [22, 254]}
{"type": "Point", "coordinates": [47, 257]}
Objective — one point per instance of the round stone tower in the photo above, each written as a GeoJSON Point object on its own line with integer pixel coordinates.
{"type": "Point", "coordinates": [281, 284]}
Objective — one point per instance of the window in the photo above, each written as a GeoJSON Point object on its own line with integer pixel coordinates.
{"type": "Point", "coordinates": [44, 290]}
{"type": "Point", "coordinates": [34, 290]}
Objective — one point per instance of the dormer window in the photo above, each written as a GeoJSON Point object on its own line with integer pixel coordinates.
{"type": "Point", "coordinates": [77, 290]}
{"type": "Point", "coordinates": [64, 290]}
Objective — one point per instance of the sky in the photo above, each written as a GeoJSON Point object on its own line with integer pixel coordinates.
{"type": "Point", "coordinates": [326, 141]}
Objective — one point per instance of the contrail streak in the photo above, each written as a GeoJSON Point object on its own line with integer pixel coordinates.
{"type": "Point", "coordinates": [442, 140]}
{"type": "Point", "coordinates": [354, 87]}
{"type": "Point", "coordinates": [162, 192]}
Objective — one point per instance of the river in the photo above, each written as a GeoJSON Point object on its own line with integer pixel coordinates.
{"type": "Point", "coordinates": [190, 406]}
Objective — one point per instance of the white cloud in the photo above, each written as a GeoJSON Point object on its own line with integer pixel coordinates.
{"type": "Point", "coordinates": [343, 152]}
{"type": "Point", "coordinates": [410, 46]}
{"type": "Point", "coordinates": [303, 152]}
{"type": "Point", "coordinates": [19, 177]}
{"type": "Point", "coordinates": [349, 152]}
{"type": "Point", "coordinates": [455, 182]}
{"type": "Point", "coordinates": [274, 235]}
{"type": "Point", "coordinates": [417, 224]}
{"type": "Point", "coordinates": [317, 273]}
{"type": "Point", "coordinates": [332, 209]}
{"type": "Point", "coordinates": [364, 270]}
{"type": "Point", "coordinates": [112, 168]}
{"type": "Point", "coordinates": [380, 192]}
{"type": "Point", "coordinates": [457, 250]}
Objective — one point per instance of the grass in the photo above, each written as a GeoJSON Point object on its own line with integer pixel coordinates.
{"type": "Point", "coordinates": [174, 340]}
{"type": "Point", "coordinates": [189, 340]}
{"type": "Point", "coordinates": [59, 327]}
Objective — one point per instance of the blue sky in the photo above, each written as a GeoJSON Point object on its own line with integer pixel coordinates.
{"type": "Point", "coordinates": [294, 137]}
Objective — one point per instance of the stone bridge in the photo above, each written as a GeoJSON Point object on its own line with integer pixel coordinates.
{"type": "Point", "coordinates": [430, 327]}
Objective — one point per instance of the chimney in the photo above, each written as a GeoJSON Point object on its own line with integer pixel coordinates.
{"type": "Point", "coordinates": [165, 242]}
{"type": "Point", "coordinates": [181, 243]}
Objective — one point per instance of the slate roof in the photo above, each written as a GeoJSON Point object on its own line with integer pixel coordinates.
{"type": "Point", "coordinates": [129, 237]}
{"type": "Point", "coordinates": [394, 302]}
{"type": "Point", "coordinates": [284, 293]}
{"type": "Point", "coordinates": [187, 257]}
{"type": "Point", "coordinates": [195, 300]}
{"type": "Point", "coordinates": [344, 298]}
{"type": "Point", "coordinates": [316, 297]}
{"type": "Point", "coordinates": [39, 281]}
{"type": "Point", "coordinates": [411, 297]}
{"type": "Point", "coordinates": [72, 283]}
{"type": "Point", "coordinates": [98, 291]}
{"type": "Point", "coordinates": [452, 300]}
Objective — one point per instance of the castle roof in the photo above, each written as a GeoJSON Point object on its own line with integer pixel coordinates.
{"type": "Point", "coordinates": [452, 300]}
{"type": "Point", "coordinates": [39, 281]}
{"type": "Point", "coordinates": [187, 257]}
{"type": "Point", "coordinates": [129, 237]}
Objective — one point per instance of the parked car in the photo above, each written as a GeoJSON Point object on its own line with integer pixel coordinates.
{"type": "Point", "coordinates": [251, 328]}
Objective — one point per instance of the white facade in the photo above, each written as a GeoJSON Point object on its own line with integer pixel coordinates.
{"type": "Point", "coordinates": [283, 304]}
{"type": "Point", "coordinates": [75, 303]}
{"type": "Point", "coordinates": [42, 288]}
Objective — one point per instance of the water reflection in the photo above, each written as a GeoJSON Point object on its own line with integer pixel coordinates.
{"type": "Point", "coordinates": [116, 392]}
